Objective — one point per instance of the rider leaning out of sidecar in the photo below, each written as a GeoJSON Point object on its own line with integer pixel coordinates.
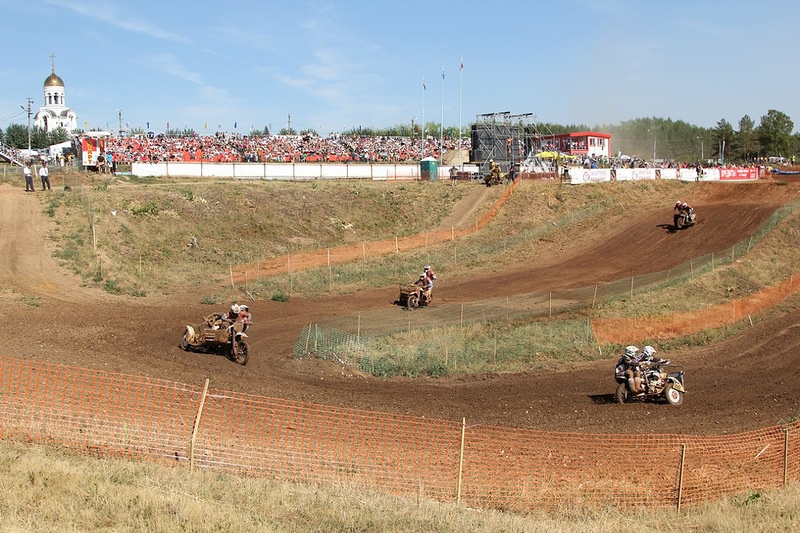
{"type": "Point", "coordinates": [426, 280]}
{"type": "Point", "coordinates": [237, 312]}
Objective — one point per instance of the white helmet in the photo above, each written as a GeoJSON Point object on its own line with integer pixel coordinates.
{"type": "Point", "coordinates": [426, 268]}
{"type": "Point", "coordinates": [235, 309]}
{"type": "Point", "coordinates": [630, 351]}
{"type": "Point", "coordinates": [649, 351]}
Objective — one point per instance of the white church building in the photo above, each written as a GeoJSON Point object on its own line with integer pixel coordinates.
{"type": "Point", "coordinates": [54, 113]}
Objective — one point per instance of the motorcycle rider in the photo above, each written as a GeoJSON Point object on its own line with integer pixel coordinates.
{"type": "Point", "coordinates": [244, 316]}
{"type": "Point", "coordinates": [233, 313]}
{"type": "Point", "coordinates": [431, 277]}
{"type": "Point", "coordinates": [647, 360]}
{"type": "Point", "coordinates": [676, 212]}
{"type": "Point", "coordinates": [632, 372]}
{"type": "Point", "coordinates": [425, 281]}
{"type": "Point", "coordinates": [689, 210]}
{"type": "Point", "coordinates": [494, 172]}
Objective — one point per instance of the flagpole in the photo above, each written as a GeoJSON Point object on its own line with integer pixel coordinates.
{"type": "Point", "coordinates": [441, 126]}
{"type": "Point", "coordinates": [460, 95]}
{"type": "Point", "coordinates": [422, 147]}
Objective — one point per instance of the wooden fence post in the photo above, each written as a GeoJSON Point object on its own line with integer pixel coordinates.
{"type": "Point", "coordinates": [785, 455]}
{"type": "Point", "coordinates": [461, 460]}
{"type": "Point", "coordinates": [680, 476]}
{"type": "Point", "coordinates": [197, 425]}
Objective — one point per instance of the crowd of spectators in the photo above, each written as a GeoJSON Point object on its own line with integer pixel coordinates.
{"type": "Point", "coordinates": [226, 147]}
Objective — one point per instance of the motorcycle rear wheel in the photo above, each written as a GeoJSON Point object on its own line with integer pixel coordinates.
{"type": "Point", "coordinates": [185, 343]}
{"type": "Point", "coordinates": [242, 354]}
{"type": "Point", "coordinates": [672, 395]}
{"type": "Point", "coordinates": [621, 394]}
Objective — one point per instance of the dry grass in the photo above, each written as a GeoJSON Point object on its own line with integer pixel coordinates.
{"type": "Point", "coordinates": [134, 238]}
{"type": "Point", "coordinates": [51, 490]}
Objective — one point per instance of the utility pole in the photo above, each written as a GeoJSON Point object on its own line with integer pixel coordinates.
{"type": "Point", "coordinates": [119, 131]}
{"type": "Point", "coordinates": [654, 145]}
{"type": "Point", "coordinates": [30, 103]}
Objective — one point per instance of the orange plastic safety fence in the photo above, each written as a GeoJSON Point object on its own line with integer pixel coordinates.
{"type": "Point", "coordinates": [96, 411]}
{"type": "Point", "coordinates": [626, 330]}
{"type": "Point", "coordinates": [504, 468]}
{"type": "Point", "coordinates": [356, 251]}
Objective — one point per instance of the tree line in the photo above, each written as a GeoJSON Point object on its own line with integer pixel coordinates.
{"type": "Point", "coordinates": [16, 136]}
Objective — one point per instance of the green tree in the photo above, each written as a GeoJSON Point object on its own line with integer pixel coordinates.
{"type": "Point", "coordinates": [745, 146]}
{"type": "Point", "coordinates": [17, 136]}
{"type": "Point", "coordinates": [260, 133]}
{"type": "Point", "coordinates": [775, 133]}
{"type": "Point", "coordinates": [58, 135]}
{"type": "Point", "coordinates": [722, 136]}
{"type": "Point", "coordinates": [39, 138]}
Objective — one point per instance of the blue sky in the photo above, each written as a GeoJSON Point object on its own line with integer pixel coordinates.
{"type": "Point", "coordinates": [335, 65]}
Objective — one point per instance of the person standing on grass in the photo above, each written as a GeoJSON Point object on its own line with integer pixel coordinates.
{"type": "Point", "coordinates": [28, 173]}
{"type": "Point", "coordinates": [453, 175]}
{"type": "Point", "coordinates": [44, 175]}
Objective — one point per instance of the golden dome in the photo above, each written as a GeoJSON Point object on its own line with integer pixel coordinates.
{"type": "Point", "coordinates": [53, 80]}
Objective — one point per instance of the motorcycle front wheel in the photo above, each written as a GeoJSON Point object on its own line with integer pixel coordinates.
{"type": "Point", "coordinates": [413, 301]}
{"type": "Point", "coordinates": [621, 394]}
{"type": "Point", "coordinates": [672, 395]}
{"type": "Point", "coordinates": [241, 355]}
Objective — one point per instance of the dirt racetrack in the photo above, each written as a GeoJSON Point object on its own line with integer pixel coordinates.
{"type": "Point", "coordinates": [747, 382]}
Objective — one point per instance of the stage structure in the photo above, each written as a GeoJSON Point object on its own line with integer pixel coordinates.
{"type": "Point", "coordinates": [505, 138]}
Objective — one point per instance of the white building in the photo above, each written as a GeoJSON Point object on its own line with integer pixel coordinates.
{"type": "Point", "coordinates": [55, 113]}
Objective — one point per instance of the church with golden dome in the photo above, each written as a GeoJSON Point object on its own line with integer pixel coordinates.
{"type": "Point", "coordinates": [54, 113]}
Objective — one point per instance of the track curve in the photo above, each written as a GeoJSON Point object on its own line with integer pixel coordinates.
{"type": "Point", "coordinates": [739, 384]}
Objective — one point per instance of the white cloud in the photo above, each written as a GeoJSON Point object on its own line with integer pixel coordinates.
{"type": "Point", "coordinates": [112, 16]}
{"type": "Point", "coordinates": [169, 64]}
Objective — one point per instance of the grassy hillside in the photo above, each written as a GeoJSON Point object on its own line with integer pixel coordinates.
{"type": "Point", "coordinates": [132, 236]}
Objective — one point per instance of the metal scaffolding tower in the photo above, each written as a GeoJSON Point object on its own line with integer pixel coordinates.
{"type": "Point", "coordinates": [504, 138]}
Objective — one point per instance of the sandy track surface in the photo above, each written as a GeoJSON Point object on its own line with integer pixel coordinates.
{"type": "Point", "coordinates": [747, 382]}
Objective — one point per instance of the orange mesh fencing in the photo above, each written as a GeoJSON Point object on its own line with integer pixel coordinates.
{"type": "Point", "coordinates": [484, 467]}
{"type": "Point", "coordinates": [353, 252]}
{"type": "Point", "coordinates": [630, 329]}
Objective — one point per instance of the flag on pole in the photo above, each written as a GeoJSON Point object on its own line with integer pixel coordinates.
{"type": "Point", "coordinates": [148, 125]}
{"type": "Point", "coordinates": [442, 71]}
{"type": "Point", "coordinates": [462, 64]}
{"type": "Point", "coordinates": [424, 87]}
{"type": "Point", "coordinates": [205, 125]}
{"type": "Point", "coordinates": [167, 125]}
{"type": "Point", "coordinates": [234, 125]}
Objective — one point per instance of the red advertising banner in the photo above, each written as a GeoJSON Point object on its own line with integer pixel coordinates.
{"type": "Point", "coordinates": [738, 174]}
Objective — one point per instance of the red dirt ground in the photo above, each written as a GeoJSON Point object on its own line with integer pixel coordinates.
{"type": "Point", "coordinates": [747, 382]}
